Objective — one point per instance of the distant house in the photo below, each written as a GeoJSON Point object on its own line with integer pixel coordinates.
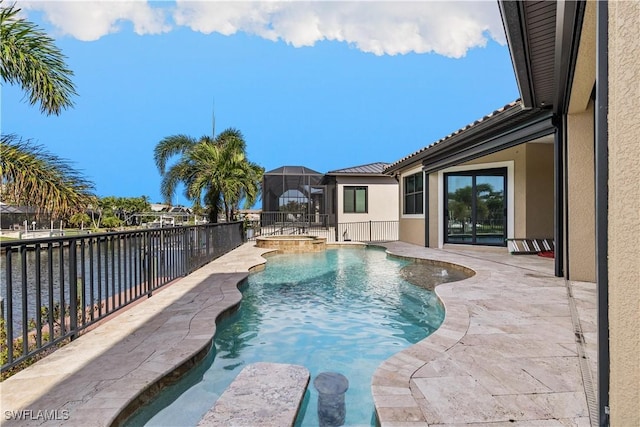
{"type": "Point", "coordinates": [161, 207]}
{"type": "Point", "coordinates": [361, 196]}
{"type": "Point", "coordinates": [364, 193]}
{"type": "Point", "coordinates": [294, 189]}
{"type": "Point", "coordinates": [14, 217]}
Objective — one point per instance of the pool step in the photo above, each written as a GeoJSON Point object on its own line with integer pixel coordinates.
{"type": "Point", "coordinates": [263, 394]}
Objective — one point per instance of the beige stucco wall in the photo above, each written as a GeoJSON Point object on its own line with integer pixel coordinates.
{"type": "Point", "coordinates": [539, 194]}
{"type": "Point", "coordinates": [624, 212]}
{"type": "Point", "coordinates": [412, 231]}
{"type": "Point", "coordinates": [580, 196]}
{"type": "Point", "coordinates": [383, 198]}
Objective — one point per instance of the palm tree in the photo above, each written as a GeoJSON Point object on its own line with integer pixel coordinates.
{"type": "Point", "coordinates": [215, 169]}
{"type": "Point", "coordinates": [31, 176]}
{"type": "Point", "coordinates": [31, 59]}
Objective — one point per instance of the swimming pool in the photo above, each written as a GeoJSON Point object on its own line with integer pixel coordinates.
{"type": "Point", "coordinates": [342, 310]}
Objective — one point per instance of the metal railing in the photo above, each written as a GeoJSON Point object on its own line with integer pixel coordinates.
{"type": "Point", "coordinates": [367, 231]}
{"type": "Point", "coordinates": [279, 223]}
{"type": "Point", "coordinates": [52, 289]}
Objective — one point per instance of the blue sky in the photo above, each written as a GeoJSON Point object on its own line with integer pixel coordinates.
{"type": "Point", "coordinates": [325, 85]}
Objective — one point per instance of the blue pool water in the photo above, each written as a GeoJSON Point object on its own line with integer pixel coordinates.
{"type": "Point", "coordinates": [343, 310]}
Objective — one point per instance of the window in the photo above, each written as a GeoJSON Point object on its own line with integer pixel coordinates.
{"type": "Point", "coordinates": [355, 199]}
{"type": "Point", "coordinates": [413, 194]}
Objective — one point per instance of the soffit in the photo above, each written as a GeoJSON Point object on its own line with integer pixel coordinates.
{"type": "Point", "coordinates": [540, 18]}
{"type": "Point", "coordinates": [530, 27]}
{"type": "Point", "coordinates": [543, 39]}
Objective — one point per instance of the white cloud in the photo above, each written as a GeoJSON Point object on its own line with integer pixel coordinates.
{"type": "Point", "coordinates": [90, 20]}
{"type": "Point", "coordinates": [447, 28]}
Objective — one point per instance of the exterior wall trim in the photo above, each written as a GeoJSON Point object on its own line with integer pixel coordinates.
{"type": "Point", "coordinates": [602, 208]}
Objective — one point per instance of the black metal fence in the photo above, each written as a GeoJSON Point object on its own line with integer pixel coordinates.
{"type": "Point", "coordinates": [278, 223]}
{"type": "Point", "coordinates": [53, 288]}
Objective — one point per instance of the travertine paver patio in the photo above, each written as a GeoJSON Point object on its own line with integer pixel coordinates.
{"type": "Point", "coordinates": [506, 353]}
{"type": "Point", "coordinates": [92, 380]}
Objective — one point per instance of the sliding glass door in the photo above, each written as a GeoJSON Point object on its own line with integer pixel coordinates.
{"type": "Point", "coordinates": [476, 207]}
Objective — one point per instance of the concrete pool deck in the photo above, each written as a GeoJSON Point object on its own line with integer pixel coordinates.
{"type": "Point", "coordinates": [517, 346]}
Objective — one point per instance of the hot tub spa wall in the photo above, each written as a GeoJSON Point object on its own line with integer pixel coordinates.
{"type": "Point", "coordinates": [293, 244]}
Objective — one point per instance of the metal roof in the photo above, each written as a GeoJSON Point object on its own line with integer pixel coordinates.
{"type": "Point", "coordinates": [376, 168]}
{"type": "Point", "coordinates": [293, 170]}
{"type": "Point", "coordinates": [13, 209]}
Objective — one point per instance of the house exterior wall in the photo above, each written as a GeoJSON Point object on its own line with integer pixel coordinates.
{"type": "Point", "coordinates": [412, 231]}
{"type": "Point", "coordinates": [382, 198]}
{"type": "Point", "coordinates": [580, 228]}
{"type": "Point", "coordinates": [411, 227]}
{"type": "Point", "coordinates": [624, 212]}
{"type": "Point", "coordinates": [529, 194]}
{"type": "Point", "coordinates": [539, 190]}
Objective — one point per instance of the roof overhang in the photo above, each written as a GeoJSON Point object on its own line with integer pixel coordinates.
{"type": "Point", "coordinates": [543, 39]}
{"type": "Point", "coordinates": [527, 126]}
{"type": "Point", "coordinates": [502, 129]}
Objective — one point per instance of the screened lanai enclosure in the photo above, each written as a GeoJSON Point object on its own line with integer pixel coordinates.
{"type": "Point", "coordinates": [296, 198]}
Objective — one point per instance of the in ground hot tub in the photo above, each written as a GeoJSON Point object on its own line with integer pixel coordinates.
{"type": "Point", "coordinates": [292, 244]}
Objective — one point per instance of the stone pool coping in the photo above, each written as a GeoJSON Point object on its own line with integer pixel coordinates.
{"type": "Point", "coordinates": [501, 353]}
{"type": "Point", "coordinates": [101, 377]}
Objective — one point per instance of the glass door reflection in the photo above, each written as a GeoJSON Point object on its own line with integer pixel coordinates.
{"type": "Point", "coordinates": [475, 208]}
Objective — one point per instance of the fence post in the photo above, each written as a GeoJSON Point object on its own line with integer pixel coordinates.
{"type": "Point", "coordinates": [73, 290]}
{"type": "Point", "coordinates": [186, 249]}
{"type": "Point", "coordinates": [149, 266]}
{"type": "Point", "coordinates": [370, 233]}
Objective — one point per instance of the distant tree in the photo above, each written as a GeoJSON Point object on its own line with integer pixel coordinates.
{"type": "Point", "coordinates": [31, 176]}
{"type": "Point", "coordinates": [124, 208]}
{"type": "Point", "coordinates": [31, 59]}
{"type": "Point", "coordinates": [213, 170]}
{"type": "Point", "coordinates": [110, 222]}
{"type": "Point", "coordinates": [79, 219]}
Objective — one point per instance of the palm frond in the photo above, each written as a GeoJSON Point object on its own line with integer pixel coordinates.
{"type": "Point", "coordinates": [32, 176]}
{"type": "Point", "coordinates": [169, 147]}
{"type": "Point", "coordinates": [30, 58]}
